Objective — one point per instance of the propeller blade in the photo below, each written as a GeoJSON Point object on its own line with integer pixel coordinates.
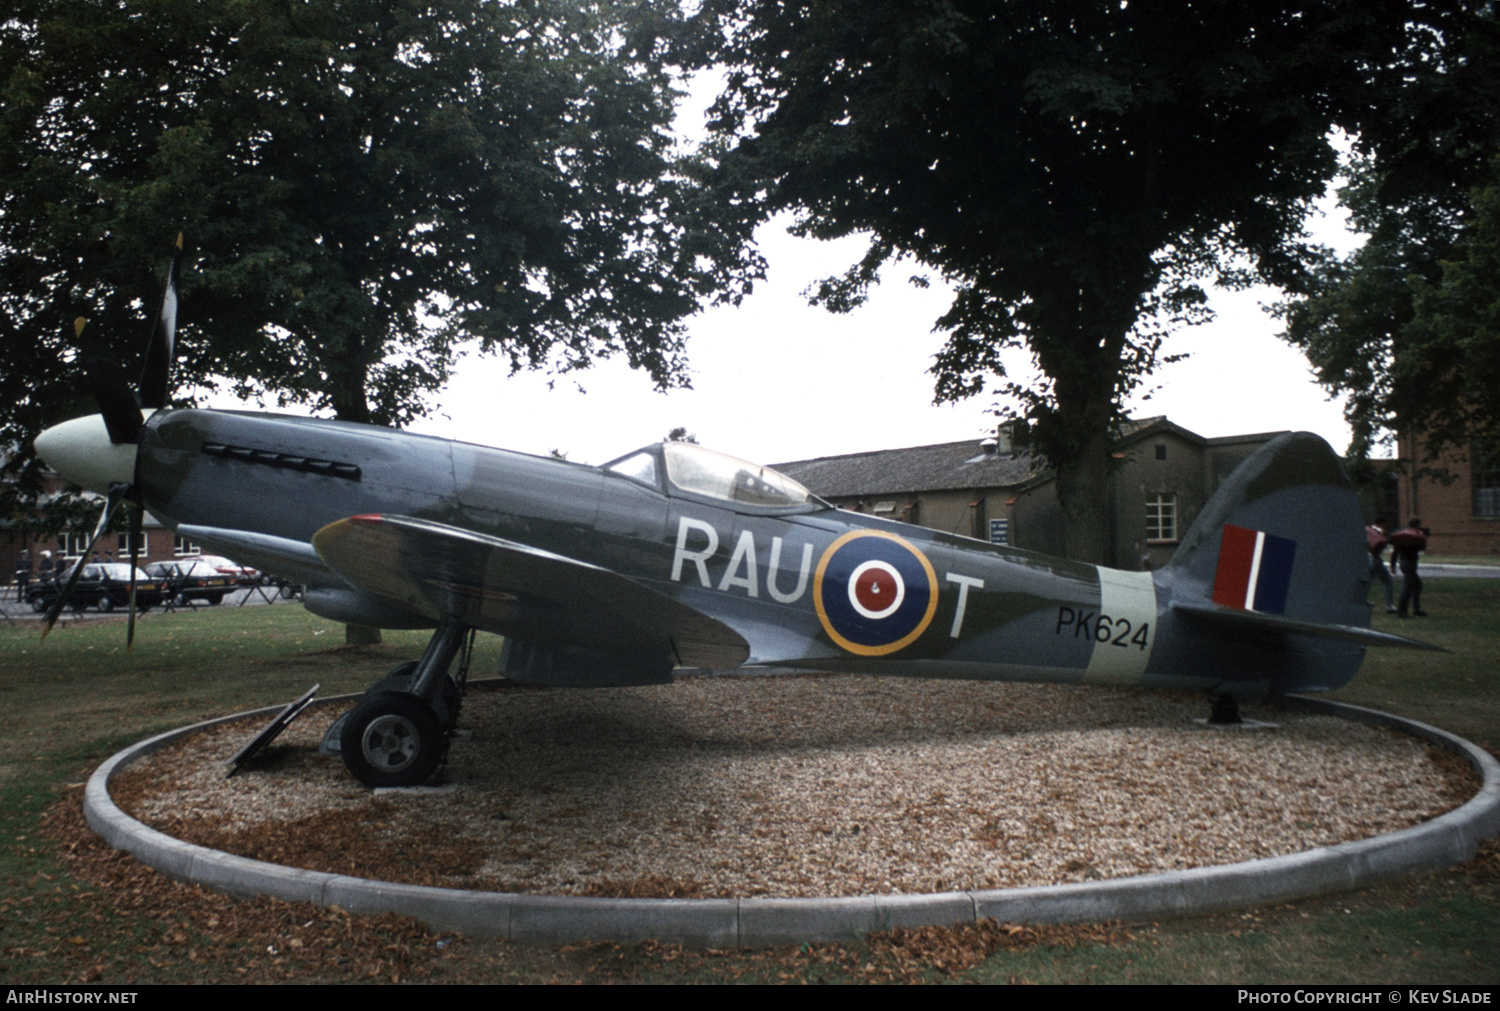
{"type": "Point", "coordinates": [137, 518]}
{"type": "Point", "coordinates": [122, 415]}
{"type": "Point", "coordinates": [156, 376]}
{"type": "Point", "coordinates": [117, 493]}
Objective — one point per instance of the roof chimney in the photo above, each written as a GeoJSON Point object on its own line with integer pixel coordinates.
{"type": "Point", "coordinates": [1011, 436]}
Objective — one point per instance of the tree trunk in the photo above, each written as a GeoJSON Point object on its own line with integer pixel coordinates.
{"type": "Point", "coordinates": [1083, 495]}
{"type": "Point", "coordinates": [1085, 383]}
{"type": "Point", "coordinates": [349, 404]}
{"type": "Point", "coordinates": [347, 394]}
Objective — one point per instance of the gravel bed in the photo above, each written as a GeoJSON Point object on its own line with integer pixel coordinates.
{"type": "Point", "coordinates": [808, 786]}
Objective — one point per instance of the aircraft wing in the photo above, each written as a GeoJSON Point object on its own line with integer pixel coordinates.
{"type": "Point", "coordinates": [501, 586]}
{"type": "Point", "coordinates": [281, 556]}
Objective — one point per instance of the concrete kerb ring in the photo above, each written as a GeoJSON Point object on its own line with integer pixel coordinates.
{"type": "Point", "coordinates": [1448, 839]}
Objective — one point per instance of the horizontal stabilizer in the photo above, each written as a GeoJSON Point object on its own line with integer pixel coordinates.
{"type": "Point", "coordinates": [1249, 621]}
{"type": "Point", "coordinates": [500, 586]}
{"type": "Point", "coordinates": [280, 556]}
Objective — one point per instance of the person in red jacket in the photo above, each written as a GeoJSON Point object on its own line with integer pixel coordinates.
{"type": "Point", "coordinates": [1410, 541]}
{"type": "Point", "coordinates": [1375, 537]}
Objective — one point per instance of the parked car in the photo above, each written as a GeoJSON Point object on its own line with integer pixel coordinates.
{"type": "Point", "coordinates": [243, 575]}
{"type": "Point", "coordinates": [192, 579]}
{"type": "Point", "coordinates": [105, 585]}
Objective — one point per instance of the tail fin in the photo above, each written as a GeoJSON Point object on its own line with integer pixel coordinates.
{"type": "Point", "coordinates": [1279, 554]}
{"type": "Point", "coordinates": [1284, 534]}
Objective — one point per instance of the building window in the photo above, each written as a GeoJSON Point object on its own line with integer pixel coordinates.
{"type": "Point", "coordinates": [1161, 450]}
{"type": "Point", "coordinates": [122, 545]}
{"type": "Point", "coordinates": [1484, 465]}
{"type": "Point", "coordinates": [1161, 516]}
{"type": "Point", "coordinates": [73, 545]}
{"type": "Point", "coordinates": [182, 546]}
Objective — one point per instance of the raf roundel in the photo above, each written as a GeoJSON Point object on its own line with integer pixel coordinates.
{"type": "Point", "coordinates": [875, 593]}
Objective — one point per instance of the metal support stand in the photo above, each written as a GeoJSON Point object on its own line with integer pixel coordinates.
{"type": "Point", "coordinates": [253, 589]}
{"type": "Point", "coordinates": [1224, 709]}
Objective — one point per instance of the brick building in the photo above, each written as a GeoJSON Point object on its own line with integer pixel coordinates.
{"type": "Point", "coordinates": [1460, 505]}
{"type": "Point", "coordinates": [18, 533]}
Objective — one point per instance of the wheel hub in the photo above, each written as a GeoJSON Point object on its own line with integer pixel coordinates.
{"type": "Point", "coordinates": [391, 743]}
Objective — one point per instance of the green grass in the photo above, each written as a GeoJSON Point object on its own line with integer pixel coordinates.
{"type": "Point", "coordinates": [1459, 690]}
{"type": "Point", "coordinates": [69, 702]}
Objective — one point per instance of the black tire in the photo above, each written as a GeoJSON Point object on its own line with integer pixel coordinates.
{"type": "Point", "coordinates": [216, 598]}
{"type": "Point", "coordinates": [392, 739]}
{"type": "Point", "coordinates": [106, 603]}
{"type": "Point", "coordinates": [38, 605]}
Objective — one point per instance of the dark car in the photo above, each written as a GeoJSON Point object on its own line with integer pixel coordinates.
{"type": "Point", "coordinates": [192, 579]}
{"type": "Point", "coordinates": [105, 585]}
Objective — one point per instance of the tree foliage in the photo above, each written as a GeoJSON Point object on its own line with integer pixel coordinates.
{"type": "Point", "coordinates": [363, 184]}
{"type": "Point", "coordinates": [1408, 325]}
{"type": "Point", "coordinates": [1076, 169]}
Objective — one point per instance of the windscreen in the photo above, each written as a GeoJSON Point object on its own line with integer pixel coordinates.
{"type": "Point", "coordinates": [706, 472]}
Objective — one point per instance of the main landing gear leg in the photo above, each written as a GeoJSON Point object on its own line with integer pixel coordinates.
{"type": "Point", "coordinates": [398, 733]}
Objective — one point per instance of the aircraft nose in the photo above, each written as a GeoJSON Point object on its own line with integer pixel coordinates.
{"type": "Point", "coordinates": [81, 452]}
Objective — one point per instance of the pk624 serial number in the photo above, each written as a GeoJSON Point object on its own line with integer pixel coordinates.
{"type": "Point", "coordinates": [1102, 628]}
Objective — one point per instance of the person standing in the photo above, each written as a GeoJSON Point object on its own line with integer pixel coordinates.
{"type": "Point", "coordinates": [1375, 536]}
{"type": "Point", "coordinates": [23, 574]}
{"type": "Point", "coordinates": [1409, 542]}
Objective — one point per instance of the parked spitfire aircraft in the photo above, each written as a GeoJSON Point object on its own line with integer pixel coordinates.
{"type": "Point", "coordinates": [675, 555]}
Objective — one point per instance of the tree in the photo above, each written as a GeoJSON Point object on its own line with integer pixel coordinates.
{"type": "Point", "coordinates": [1077, 169]}
{"type": "Point", "coordinates": [363, 185]}
{"type": "Point", "coordinates": [1408, 326]}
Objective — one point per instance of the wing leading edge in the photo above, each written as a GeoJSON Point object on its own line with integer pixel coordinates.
{"type": "Point", "coordinates": [500, 586]}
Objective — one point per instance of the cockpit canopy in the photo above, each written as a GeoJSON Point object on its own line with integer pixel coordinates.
{"type": "Point", "coordinates": [699, 471]}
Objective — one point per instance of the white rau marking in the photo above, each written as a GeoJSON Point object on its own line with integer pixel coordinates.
{"type": "Point", "coordinates": [743, 557]}
{"type": "Point", "coordinates": [744, 569]}
{"type": "Point", "coordinates": [776, 594]}
{"type": "Point", "coordinates": [685, 525]}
